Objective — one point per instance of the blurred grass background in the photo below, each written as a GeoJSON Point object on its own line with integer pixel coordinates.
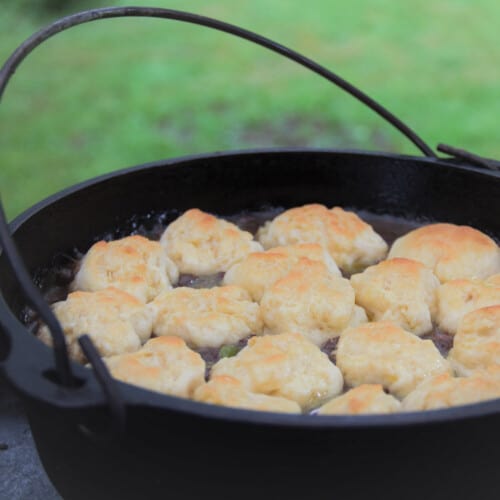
{"type": "Point", "coordinates": [122, 92]}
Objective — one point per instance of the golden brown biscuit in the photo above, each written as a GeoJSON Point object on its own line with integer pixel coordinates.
{"type": "Point", "coordinates": [399, 290]}
{"type": "Point", "coordinates": [366, 398]}
{"type": "Point", "coordinates": [164, 364]}
{"type": "Point", "coordinates": [133, 264]}
{"type": "Point", "coordinates": [258, 271]}
{"type": "Point", "coordinates": [285, 365]}
{"type": "Point", "coordinates": [458, 297]}
{"type": "Point", "coordinates": [312, 251]}
{"type": "Point", "coordinates": [352, 243]}
{"type": "Point", "coordinates": [452, 252]}
{"type": "Point", "coordinates": [207, 317]}
{"type": "Point", "coordinates": [227, 391]}
{"type": "Point", "coordinates": [477, 341]}
{"type": "Point", "coordinates": [493, 280]}
{"type": "Point", "coordinates": [202, 244]}
{"type": "Point", "coordinates": [116, 321]}
{"type": "Point", "coordinates": [444, 391]}
{"type": "Point", "coordinates": [308, 301]}
{"type": "Point", "coordinates": [383, 353]}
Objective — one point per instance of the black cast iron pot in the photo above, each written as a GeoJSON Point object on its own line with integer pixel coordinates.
{"type": "Point", "coordinates": [99, 438]}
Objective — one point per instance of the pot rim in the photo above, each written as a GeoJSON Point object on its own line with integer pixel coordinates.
{"type": "Point", "coordinates": [167, 162]}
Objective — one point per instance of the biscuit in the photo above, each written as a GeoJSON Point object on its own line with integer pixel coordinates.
{"type": "Point", "coordinates": [352, 243]}
{"type": "Point", "coordinates": [227, 391]}
{"type": "Point", "coordinates": [493, 280]}
{"type": "Point", "coordinates": [383, 353]}
{"type": "Point", "coordinates": [116, 321]}
{"type": "Point", "coordinates": [452, 252]}
{"type": "Point", "coordinates": [444, 391]}
{"type": "Point", "coordinates": [206, 317]}
{"type": "Point", "coordinates": [477, 341]}
{"type": "Point", "coordinates": [458, 297]}
{"type": "Point", "coordinates": [133, 264]}
{"type": "Point", "coordinates": [366, 398]}
{"type": "Point", "coordinates": [399, 290]}
{"type": "Point", "coordinates": [202, 244]}
{"type": "Point", "coordinates": [285, 365]}
{"type": "Point", "coordinates": [164, 364]}
{"type": "Point", "coordinates": [258, 271]}
{"type": "Point", "coordinates": [308, 301]}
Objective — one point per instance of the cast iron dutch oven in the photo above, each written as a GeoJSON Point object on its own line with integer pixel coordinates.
{"type": "Point", "coordinates": [99, 438]}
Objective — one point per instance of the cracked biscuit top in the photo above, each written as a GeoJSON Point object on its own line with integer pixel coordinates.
{"type": "Point", "coordinates": [352, 243]}
{"type": "Point", "coordinates": [201, 244]}
{"type": "Point", "coordinates": [383, 353]}
{"type": "Point", "coordinates": [399, 290]}
{"type": "Point", "coordinates": [116, 321]}
{"type": "Point", "coordinates": [452, 252]}
{"type": "Point", "coordinates": [133, 264]}
{"type": "Point", "coordinates": [285, 365]}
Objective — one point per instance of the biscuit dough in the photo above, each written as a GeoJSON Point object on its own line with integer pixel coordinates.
{"type": "Point", "coordinates": [399, 290]}
{"type": "Point", "coordinates": [477, 342]}
{"type": "Point", "coordinates": [285, 365]}
{"type": "Point", "coordinates": [352, 243]}
{"type": "Point", "coordinates": [207, 317]}
{"type": "Point", "coordinates": [452, 252]}
{"type": "Point", "coordinates": [366, 398]}
{"type": "Point", "coordinates": [201, 244]}
{"type": "Point", "coordinates": [458, 297]}
{"type": "Point", "coordinates": [116, 321]}
{"type": "Point", "coordinates": [383, 353]}
{"type": "Point", "coordinates": [164, 364]}
{"type": "Point", "coordinates": [259, 271]}
{"type": "Point", "coordinates": [133, 264]}
{"type": "Point", "coordinates": [308, 301]}
{"type": "Point", "coordinates": [444, 391]}
{"type": "Point", "coordinates": [227, 391]}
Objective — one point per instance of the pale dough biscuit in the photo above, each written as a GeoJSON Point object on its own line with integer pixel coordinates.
{"type": "Point", "coordinates": [258, 271]}
{"type": "Point", "coordinates": [202, 244]}
{"type": "Point", "coordinates": [493, 280]}
{"type": "Point", "coordinates": [444, 391]}
{"type": "Point", "coordinates": [133, 264]}
{"type": "Point", "coordinates": [285, 365]}
{"type": "Point", "coordinates": [227, 391]}
{"type": "Point", "coordinates": [352, 243]}
{"type": "Point", "coordinates": [116, 321]}
{"type": "Point", "coordinates": [399, 290]}
{"type": "Point", "coordinates": [207, 317]}
{"type": "Point", "coordinates": [366, 398]}
{"type": "Point", "coordinates": [308, 301]}
{"type": "Point", "coordinates": [383, 353]}
{"type": "Point", "coordinates": [458, 297]}
{"type": "Point", "coordinates": [477, 341]}
{"type": "Point", "coordinates": [452, 252]}
{"type": "Point", "coordinates": [164, 364]}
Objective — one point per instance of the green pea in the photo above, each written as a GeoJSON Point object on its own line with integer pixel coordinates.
{"type": "Point", "coordinates": [228, 351]}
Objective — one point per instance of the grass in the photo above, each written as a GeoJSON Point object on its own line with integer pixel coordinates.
{"type": "Point", "coordinates": [123, 92]}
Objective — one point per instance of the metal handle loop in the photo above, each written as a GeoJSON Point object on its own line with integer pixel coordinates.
{"type": "Point", "coordinates": [469, 157]}
{"type": "Point", "coordinates": [109, 386]}
{"type": "Point", "coordinates": [65, 23]}
{"type": "Point", "coordinates": [34, 297]}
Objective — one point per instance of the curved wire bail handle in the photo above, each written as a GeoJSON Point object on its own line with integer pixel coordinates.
{"type": "Point", "coordinates": [65, 23]}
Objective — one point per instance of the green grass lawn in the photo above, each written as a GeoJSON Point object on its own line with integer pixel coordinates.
{"type": "Point", "coordinates": [122, 92]}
